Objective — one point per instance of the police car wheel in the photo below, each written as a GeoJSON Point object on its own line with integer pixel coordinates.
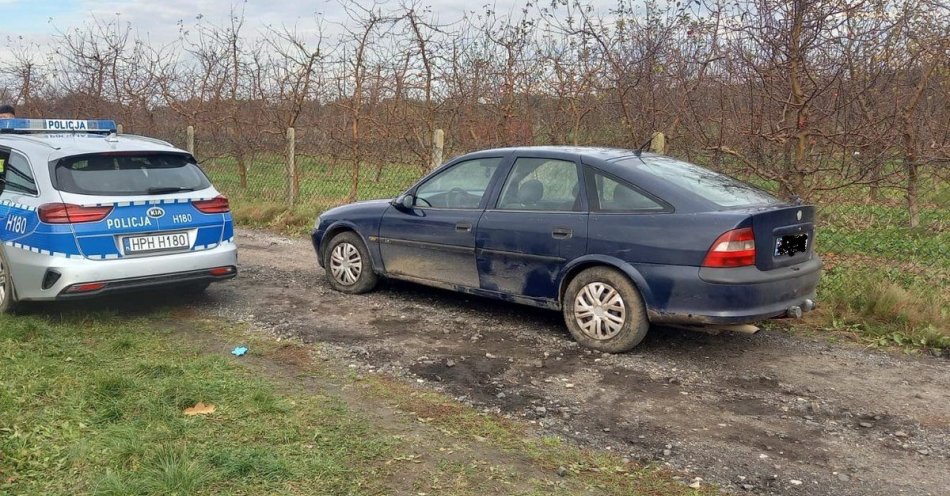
{"type": "Point", "coordinates": [8, 301]}
{"type": "Point", "coordinates": [349, 268]}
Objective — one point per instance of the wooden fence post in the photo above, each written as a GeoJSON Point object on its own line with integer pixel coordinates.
{"type": "Point", "coordinates": [190, 140]}
{"type": "Point", "coordinates": [293, 184]}
{"type": "Point", "coordinates": [438, 147]}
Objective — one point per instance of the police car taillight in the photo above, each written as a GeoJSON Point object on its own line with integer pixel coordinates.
{"type": "Point", "coordinates": [218, 205]}
{"type": "Point", "coordinates": [67, 213]}
{"type": "Point", "coordinates": [221, 271]}
{"type": "Point", "coordinates": [735, 248]}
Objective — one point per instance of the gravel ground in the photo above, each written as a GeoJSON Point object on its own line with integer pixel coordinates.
{"type": "Point", "coordinates": [772, 413]}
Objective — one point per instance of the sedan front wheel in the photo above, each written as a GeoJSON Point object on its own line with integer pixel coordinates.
{"type": "Point", "coordinates": [604, 311]}
{"type": "Point", "coordinates": [348, 265]}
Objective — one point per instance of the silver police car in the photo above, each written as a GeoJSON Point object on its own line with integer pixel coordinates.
{"type": "Point", "coordinates": [85, 211]}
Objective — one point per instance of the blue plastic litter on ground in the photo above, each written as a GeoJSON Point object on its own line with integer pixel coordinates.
{"type": "Point", "coordinates": [239, 351]}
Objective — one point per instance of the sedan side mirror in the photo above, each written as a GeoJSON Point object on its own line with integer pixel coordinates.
{"type": "Point", "coordinates": [405, 201]}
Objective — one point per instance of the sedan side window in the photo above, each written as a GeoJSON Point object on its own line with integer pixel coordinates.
{"type": "Point", "coordinates": [615, 196]}
{"type": "Point", "coordinates": [541, 184]}
{"type": "Point", "coordinates": [461, 186]}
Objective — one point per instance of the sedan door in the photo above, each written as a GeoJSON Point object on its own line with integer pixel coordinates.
{"type": "Point", "coordinates": [434, 240]}
{"type": "Point", "coordinates": [538, 223]}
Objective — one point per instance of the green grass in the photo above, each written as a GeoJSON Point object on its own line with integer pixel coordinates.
{"type": "Point", "coordinates": [93, 405]}
{"type": "Point", "coordinates": [885, 306]}
{"type": "Point", "coordinates": [882, 231]}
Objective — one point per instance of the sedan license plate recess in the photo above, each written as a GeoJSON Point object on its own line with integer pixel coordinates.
{"type": "Point", "coordinates": [155, 243]}
{"type": "Point", "coordinates": [791, 244]}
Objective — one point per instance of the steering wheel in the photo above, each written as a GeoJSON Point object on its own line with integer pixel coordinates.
{"type": "Point", "coordinates": [421, 199]}
{"type": "Point", "coordinates": [454, 197]}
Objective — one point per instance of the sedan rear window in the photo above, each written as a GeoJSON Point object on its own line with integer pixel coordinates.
{"type": "Point", "coordinates": [717, 188]}
{"type": "Point", "coordinates": [129, 174]}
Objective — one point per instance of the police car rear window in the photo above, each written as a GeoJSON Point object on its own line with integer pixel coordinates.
{"type": "Point", "coordinates": [129, 174]}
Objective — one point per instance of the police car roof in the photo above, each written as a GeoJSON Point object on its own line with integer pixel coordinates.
{"type": "Point", "coordinates": [59, 145]}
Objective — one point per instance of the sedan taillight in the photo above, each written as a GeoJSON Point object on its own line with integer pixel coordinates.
{"type": "Point", "coordinates": [67, 213]}
{"type": "Point", "coordinates": [735, 248]}
{"type": "Point", "coordinates": [217, 205]}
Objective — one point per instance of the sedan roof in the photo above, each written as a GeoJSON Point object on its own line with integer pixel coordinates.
{"type": "Point", "coordinates": [600, 153]}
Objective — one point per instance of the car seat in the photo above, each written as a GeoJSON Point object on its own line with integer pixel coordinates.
{"type": "Point", "coordinates": [530, 193]}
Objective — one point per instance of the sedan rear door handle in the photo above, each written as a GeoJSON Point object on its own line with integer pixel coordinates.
{"type": "Point", "coordinates": [562, 233]}
{"type": "Point", "coordinates": [463, 227]}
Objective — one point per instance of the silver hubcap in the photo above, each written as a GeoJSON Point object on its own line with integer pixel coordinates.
{"type": "Point", "coordinates": [346, 265]}
{"type": "Point", "coordinates": [599, 311]}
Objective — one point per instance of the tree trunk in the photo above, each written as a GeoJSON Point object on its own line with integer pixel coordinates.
{"type": "Point", "coordinates": [913, 207]}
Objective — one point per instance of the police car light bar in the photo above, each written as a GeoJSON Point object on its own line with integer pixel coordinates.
{"type": "Point", "coordinates": [57, 126]}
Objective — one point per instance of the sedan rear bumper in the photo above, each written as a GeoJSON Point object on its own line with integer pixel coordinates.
{"type": "Point", "coordinates": [694, 295]}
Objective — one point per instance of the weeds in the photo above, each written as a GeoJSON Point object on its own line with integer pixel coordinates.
{"type": "Point", "coordinates": [883, 310]}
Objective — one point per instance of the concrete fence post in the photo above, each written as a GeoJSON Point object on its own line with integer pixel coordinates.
{"type": "Point", "coordinates": [438, 147]}
{"type": "Point", "coordinates": [190, 140]}
{"type": "Point", "coordinates": [658, 143]}
{"type": "Point", "coordinates": [293, 185]}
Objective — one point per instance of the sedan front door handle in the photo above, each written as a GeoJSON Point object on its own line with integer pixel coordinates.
{"type": "Point", "coordinates": [562, 233]}
{"type": "Point", "coordinates": [463, 227]}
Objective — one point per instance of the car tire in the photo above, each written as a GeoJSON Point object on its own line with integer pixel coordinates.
{"type": "Point", "coordinates": [604, 311]}
{"type": "Point", "coordinates": [349, 268]}
{"type": "Point", "coordinates": [8, 298]}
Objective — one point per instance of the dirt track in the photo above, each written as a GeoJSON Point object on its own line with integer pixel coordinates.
{"type": "Point", "coordinates": [766, 414]}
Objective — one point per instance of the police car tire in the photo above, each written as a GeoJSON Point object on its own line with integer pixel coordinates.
{"type": "Point", "coordinates": [635, 324]}
{"type": "Point", "coordinates": [367, 279]}
{"type": "Point", "coordinates": [9, 303]}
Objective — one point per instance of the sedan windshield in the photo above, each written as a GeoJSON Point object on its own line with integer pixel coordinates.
{"type": "Point", "coordinates": [719, 189]}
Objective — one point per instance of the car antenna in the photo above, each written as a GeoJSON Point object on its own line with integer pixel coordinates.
{"type": "Point", "coordinates": [646, 144]}
{"type": "Point", "coordinates": [639, 151]}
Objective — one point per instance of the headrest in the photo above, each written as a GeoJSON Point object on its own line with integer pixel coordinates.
{"type": "Point", "coordinates": [530, 191]}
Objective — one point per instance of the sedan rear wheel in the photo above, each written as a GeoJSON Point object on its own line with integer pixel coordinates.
{"type": "Point", "coordinates": [604, 311]}
{"type": "Point", "coordinates": [8, 301]}
{"type": "Point", "coordinates": [348, 265]}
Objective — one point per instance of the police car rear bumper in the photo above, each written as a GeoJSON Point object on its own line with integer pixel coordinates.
{"type": "Point", "coordinates": [39, 277]}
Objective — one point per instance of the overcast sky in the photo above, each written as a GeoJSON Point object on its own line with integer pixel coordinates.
{"type": "Point", "coordinates": [39, 19]}
{"type": "Point", "coordinates": [23, 22]}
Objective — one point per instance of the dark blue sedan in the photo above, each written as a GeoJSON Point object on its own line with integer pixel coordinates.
{"type": "Point", "coordinates": [615, 239]}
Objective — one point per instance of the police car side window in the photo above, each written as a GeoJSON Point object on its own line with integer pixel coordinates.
{"type": "Point", "coordinates": [19, 178]}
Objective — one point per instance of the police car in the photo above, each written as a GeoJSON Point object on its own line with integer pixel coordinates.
{"type": "Point", "coordinates": [85, 211]}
